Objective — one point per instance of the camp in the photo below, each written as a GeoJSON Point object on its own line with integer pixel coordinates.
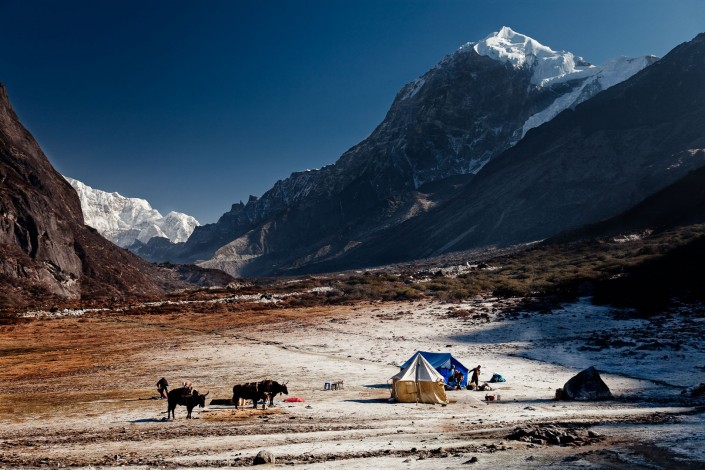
{"type": "Point", "coordinates": [443, 363]}
{"type": "Point", "coordinates": [419, 382]}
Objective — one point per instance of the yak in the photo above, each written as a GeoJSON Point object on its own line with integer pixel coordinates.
{"type": "Point", "coordinates": [249, 391]}
{"type": "Point", "coordinates": [273, 388]}
{"type": "Point", "coordinates": [265, 390]}
{"type": "Point", "coordinates": [178, 396]}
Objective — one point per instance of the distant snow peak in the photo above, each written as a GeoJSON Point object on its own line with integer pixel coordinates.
{"type": "Point", "coordinates": [123, 220]}
{"type": "Point", "coordinates": [507, 45]}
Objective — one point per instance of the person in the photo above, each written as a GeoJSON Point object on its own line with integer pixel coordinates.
{"type": "Point", "coordinates": [163, 388]}
{"type": "Point", "coordinates": [475, 376]}
{"type": "Point", "coordinates": [451, 378]}
{"type": "Point", "coordinates": [459, 376]}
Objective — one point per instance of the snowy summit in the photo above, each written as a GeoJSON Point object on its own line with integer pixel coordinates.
{"type": "Point", "coordinates": [123, 220]}
{"type": "Point", "coordinates": [551, 67]}
{"type": "Point", "coordinates": [522, 51]}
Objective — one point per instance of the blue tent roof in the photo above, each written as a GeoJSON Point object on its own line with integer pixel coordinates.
{"type": "Point", "coordinates": [442, 362]}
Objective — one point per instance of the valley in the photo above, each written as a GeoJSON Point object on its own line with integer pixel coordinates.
{"type": "Point", "coordinates": [517, 206]}
{"type": "Point", "coordinates": [80, 390]}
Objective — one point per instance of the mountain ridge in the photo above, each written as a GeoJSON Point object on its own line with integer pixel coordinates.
{"type": "Point", "coordinates": [123, 220]}
{"type": "Point", "coordinates": [587, 164]}
{"type": "Point", "coordinates": [47, 254]}
{"type": "Point", "coordinates": [447, 124]}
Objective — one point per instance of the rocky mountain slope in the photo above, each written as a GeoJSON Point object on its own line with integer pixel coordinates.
{"type": "Point", "coordinates": [679, 204]}
{"type": "Point", "coordinates": [440, 130]}
{"type": "Point", "coordinates": [123, 220]}
{"type": "Point", "coordinates": [587, 164]}
{"type": "Point", "coordinates": [46, 251]}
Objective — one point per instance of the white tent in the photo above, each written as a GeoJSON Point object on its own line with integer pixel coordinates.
{"type": "Point", "coordinates": [419, 383]}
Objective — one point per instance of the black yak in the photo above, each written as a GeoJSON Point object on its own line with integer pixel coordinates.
{"type": "Point", "coordinates": [178, 396]}
{"type": "Point", "coordinates": [265, 390]}
{"type": "Point", "coordinates": [249, 391]}
{"type": "Point", "coordinates": [273, 388]}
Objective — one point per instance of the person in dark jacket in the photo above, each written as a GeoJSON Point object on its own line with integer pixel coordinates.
{"type": "Point", "coordinates": [475, 376]}
{"type": "Point", "coordinates": [163, 388]}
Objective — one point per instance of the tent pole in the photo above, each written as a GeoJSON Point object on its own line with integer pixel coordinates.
{"type": "Point", "coordinates": [416, 383]}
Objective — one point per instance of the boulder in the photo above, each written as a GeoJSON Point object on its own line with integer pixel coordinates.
{"type": "Point", "coordinates": [264, 457]}
{"type": "Point", "coordinates": [587, 385]}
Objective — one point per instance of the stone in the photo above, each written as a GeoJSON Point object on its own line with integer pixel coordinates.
{"type": "Point", "coordinates": [588, 386]}
{"type": "Point", "coordinates": [264, 457]}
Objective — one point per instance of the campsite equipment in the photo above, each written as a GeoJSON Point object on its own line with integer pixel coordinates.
{"type": "Point", "coordinates": [442, 363]}
{"type": "Point", "coordinates": [492, 397]}
{"type": "Point", "coordinates": [337, 385]}
{"type": "Point", "coordinates": [497, 378]}
{"type": "Point", "coordinates": [419, 382]}
{"type": "Point", "coordinates": [293, 400]}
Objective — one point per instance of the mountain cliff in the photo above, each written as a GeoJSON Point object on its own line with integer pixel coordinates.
{"type": "Point", "coordinates": [679, 204]}
{"type": "Point", "coordinates": [441, 129]}
{"type": "Point", "coordinates": [588, 164]}
{"type": "Point", "coordinates": [47, 254]}
{"type": "Point", "coordinates": [124, 220]}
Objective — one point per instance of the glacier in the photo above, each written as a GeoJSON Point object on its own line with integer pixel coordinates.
{"type": "Point", "coordinates": [123, 220]}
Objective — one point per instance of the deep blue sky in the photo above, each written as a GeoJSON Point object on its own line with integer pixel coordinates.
{"type": "Point", "coordinates": [194, 105]}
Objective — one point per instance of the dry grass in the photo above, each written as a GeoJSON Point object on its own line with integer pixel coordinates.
{"type": "Point", "coordinates": [560, 269]}
{"type": "Point", "coordinates": [243, 414]}
{"type": "Point", "coordinates": [55, 365]}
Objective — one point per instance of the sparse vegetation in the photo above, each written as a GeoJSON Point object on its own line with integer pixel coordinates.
{"type": "Point", "coordinates": [559, 272]}
{"type": "Point", "coordinates": [552, 272]}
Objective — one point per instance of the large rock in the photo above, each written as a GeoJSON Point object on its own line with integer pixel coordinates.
{"type": "Point", "coordinates": [587, 385]}
{"type": "Point", "coordinates": [263, 457]}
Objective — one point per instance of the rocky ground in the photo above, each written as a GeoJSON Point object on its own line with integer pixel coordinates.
{"type": "Point", "coordinates": [79, 390]}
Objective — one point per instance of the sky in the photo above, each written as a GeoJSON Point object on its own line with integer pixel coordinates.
{"type": "Point", "coordinates": [195, 105]}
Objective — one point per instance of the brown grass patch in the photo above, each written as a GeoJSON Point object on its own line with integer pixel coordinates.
{"type": "Point", "coordinates": [84, 365]}
{"type": "Point", "coordinates": [242, 414]}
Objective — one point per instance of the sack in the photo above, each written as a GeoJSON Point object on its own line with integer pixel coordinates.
{"type": "Point", "coordinates": [497, 378]}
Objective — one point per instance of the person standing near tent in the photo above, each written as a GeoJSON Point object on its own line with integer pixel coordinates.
{"type": "Point", "coordinates": [451, 376]}
{"type": "Point", "coordinates": [475, 376]}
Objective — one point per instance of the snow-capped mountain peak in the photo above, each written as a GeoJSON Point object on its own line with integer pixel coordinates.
{"type": "Point", "coordinates": [123, 220]}
{"type": "Point", "coordinates": [550, 68]}
{"type": "Point", "coordinates": [507, 45]}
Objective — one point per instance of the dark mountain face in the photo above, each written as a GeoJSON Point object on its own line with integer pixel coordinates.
{"type": "Point", "coordinates": [45, 249]}
{"type": "Point", "coordinates": [585, 165]}
{"type": "Point", "coordinates": [38, 212]}
{"type": "Point", "coordinates": [440, 130]}
{"type": "Point", "coordinates": [679, 204]}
